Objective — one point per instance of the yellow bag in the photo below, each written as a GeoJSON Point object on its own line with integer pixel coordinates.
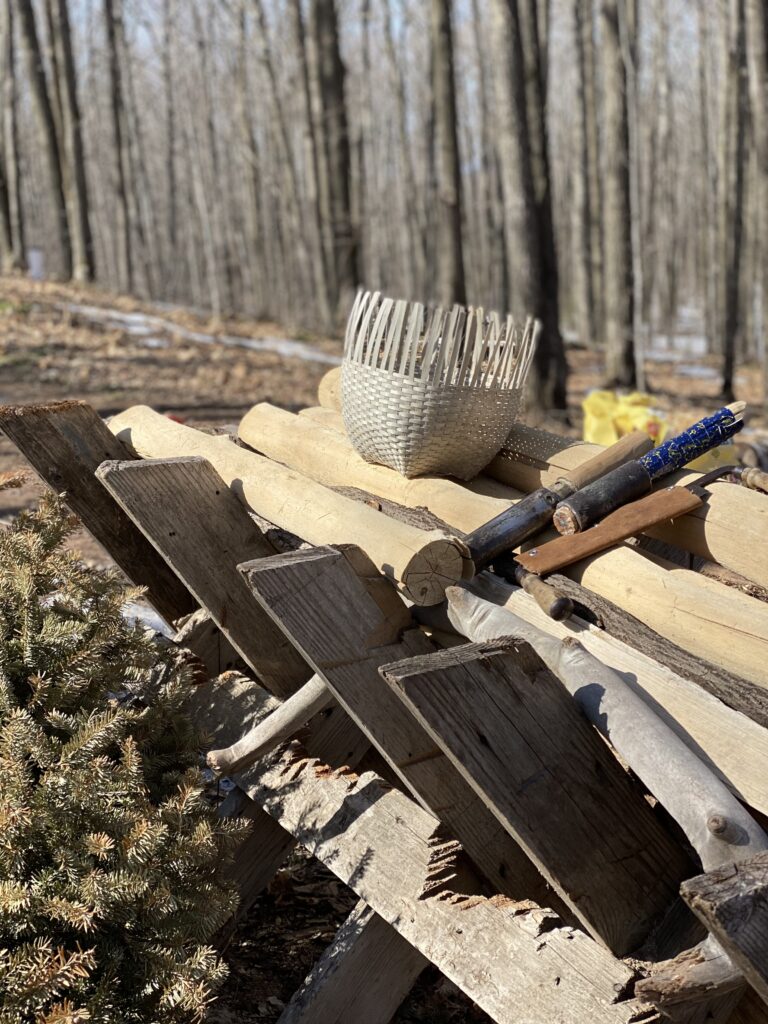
{"type": "Point", "coordinates": [608, 416]}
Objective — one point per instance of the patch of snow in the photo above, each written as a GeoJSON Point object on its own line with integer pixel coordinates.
{"type": "Point", "coordinates": [143, 325]}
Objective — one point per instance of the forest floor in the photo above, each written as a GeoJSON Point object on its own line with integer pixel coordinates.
{"type": "Point", "coordinates": [60, 342]}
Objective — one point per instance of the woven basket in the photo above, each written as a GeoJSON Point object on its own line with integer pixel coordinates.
{"type": "Point", "coordinates": [431, 391]}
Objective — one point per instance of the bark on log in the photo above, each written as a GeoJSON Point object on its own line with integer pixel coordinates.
{"type": "Point", "coordinates": [697, 614]}
{"type": "Point", "coordinates": [422, 563]}
{"type": "Point", "coordinates": [513, 731]}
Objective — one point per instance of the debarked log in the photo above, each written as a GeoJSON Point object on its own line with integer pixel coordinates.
{"type": "Point", "coordinates": [423, 564]}
{"type": "Point", "coordinates": [698, 614]}
{"type": "Point", "coordinates": [716, 824]}
{"type": "Point", "coordinates": [281, 725]}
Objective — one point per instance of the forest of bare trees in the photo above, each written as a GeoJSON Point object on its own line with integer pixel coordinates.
{"type": "Point", "coordinates": [602, 164]}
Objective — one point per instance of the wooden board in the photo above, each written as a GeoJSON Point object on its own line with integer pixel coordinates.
{"type": "Point", "coordinates": [505, 956]}
{"type": "Point", "coordinates": [363, 976]}
{"type": "Point", "coordinates": [735, 747]}
{"type": "Point", "coordinates": [422, 564]}
{"type": "Point", "coordinates": [732, 901]}
{"type": "Point", "coordinates": [348, 620]}
{"type": "Point", "coordinates": [514, 732]}
{"type": "Point", "coordinates": [186, 511]}
{"type": "Point", "coordinates": [66, 442]}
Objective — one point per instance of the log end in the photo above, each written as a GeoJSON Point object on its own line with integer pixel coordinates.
{"type": "Point", "coordinates": [436, 566]}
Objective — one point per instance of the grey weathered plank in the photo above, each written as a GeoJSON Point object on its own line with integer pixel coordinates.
{"type": "Point", "coordinates": [189, 515]}
{"type": "Point", "coordinates": [348, 620]}
{"type": "Point", "coordinates": [732, 901]}
{"type": "Point", "coordinates": [505, 955]}
{"type": "Point", "coordinates": [66, 442]}
{"type": "Point", "coordinates": [515, 734]}
{"type": "Point", "coordinates": [364, 975]}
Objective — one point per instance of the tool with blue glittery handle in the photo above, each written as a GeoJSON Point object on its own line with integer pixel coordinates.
{"type": "Point", "coordinates": [634, 479]}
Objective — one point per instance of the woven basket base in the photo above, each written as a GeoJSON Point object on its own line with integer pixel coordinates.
{"type": "Point", "coordinates": [418, 429]}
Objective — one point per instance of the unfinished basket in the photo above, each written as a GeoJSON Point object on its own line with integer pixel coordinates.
{"type": "Point", "coordinates": [432, 391]}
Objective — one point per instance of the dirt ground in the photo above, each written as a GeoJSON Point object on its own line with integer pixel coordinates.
{"type": "Point", "coordinates": [54, 346]}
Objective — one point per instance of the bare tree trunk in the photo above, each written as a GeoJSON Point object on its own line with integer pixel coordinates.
{"type": "Point", "coordinates": [492, 203]}
{"type": "Point", "coordinates": [582, 188]}
{"type": "Point", "coordinates": [6, 223]}
{"type": "Point", "coordinates": [550, 367]}
{"type": "Point", "coordinates": [594, 165]}
{"type": "Point", "coordinates": [733, 159]}
{"type": "Point", "coordinates": [711, 261]}
{"type": "Point", "coordinates": [617, 217]}
{"type": "Point", "coordinates": [413, 230]}
{"type": "Point", "coordinates": [312, 171]}
{"type": "Point", "coordinates": [111, 14]}
{"type": "Point", "coordinates": [757, 58]}
{"type": "Point", "coordinates": [10, 137]}
{"type": "Point", "coordinates": [330, 79]}
{"type": "Point", "coordinates": [450, 285]}
{"type": "Point", "coordinates": [77, 187]}
{"type": "Point", "coordinates": [169, 11]}
{"type": "Point", "coordinates": [50, 141]}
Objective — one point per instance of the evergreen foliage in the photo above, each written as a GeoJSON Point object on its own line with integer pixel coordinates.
{"type": "Point", "coordinates": [110, 856]}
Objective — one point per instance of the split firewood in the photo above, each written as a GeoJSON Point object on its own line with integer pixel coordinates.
{"type": "Point", "coordinates": [423, 564]}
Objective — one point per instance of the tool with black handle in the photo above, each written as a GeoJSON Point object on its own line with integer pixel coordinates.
{"type": "Point", "coordinates": [634, 479]}
{"type": "Point", "coordinates": [533, 513]}
{"type": "Point", "coordinates": [506, 531]}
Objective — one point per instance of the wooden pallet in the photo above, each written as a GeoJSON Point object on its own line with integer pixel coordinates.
{"type": "Point", "coordinates": [501, 838]}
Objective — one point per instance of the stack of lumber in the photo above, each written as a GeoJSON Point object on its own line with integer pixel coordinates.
{"type": "Point", "coordinates": [566, 818]}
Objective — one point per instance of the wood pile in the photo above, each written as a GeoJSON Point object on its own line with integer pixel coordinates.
{"type": "Point", "coordinates": [566, 818]}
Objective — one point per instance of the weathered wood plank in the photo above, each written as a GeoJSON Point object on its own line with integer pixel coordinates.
{"type": "Point", "coordinates": [347, 638]}
{"type": "Point", "coordinates": [66, 442]}
{"type": "Point", "coordinates": [423, 564]}
{"type": "Point", "coordinates": [732, 745]}
{"type": "Point", "coordinates": [732, 901]}
{"type": "Point", "coordinates": [364, 975]}
{"type": "Point", "coordinates": [750, 1010]}
{"type": "Point", "coordinates": [716, 824]}
{"type": "Point", "coordinates": [506, 956]}
{"type": "Point", "coordinates": [200, 634]}
{"type": "Point", "coordinates": [194, 521]}
{"type": "Point", "coordinates": [514, 732]}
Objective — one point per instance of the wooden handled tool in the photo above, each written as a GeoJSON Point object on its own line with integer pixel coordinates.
{"type": "Point", "coordinates": [627, 521]}
{"type": "Point", "coordinates": [551, 601]}
{"type": "Point", "coordinates": [597, 500]}
{"type": "Point", "coordinates": [531, 514]}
